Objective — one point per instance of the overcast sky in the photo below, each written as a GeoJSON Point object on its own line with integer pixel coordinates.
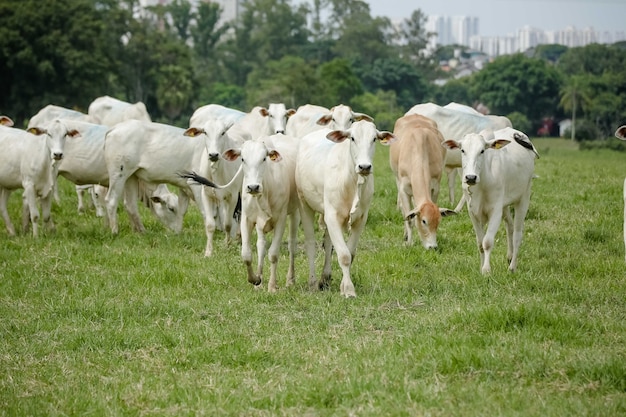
{"type": "Point", "coordinates": [502, 17]}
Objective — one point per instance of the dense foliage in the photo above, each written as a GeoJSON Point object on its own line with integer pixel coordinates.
{"type": "Point", "coordinates": [174, 58]}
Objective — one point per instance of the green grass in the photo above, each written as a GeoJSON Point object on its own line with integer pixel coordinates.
{"type": "Point", "coordinates": [143, 325]}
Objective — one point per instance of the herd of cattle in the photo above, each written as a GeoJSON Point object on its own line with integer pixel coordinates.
{"type": "Point", "coordinates": [283, 166]}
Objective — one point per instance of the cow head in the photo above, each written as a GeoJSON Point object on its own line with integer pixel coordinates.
{"type": "Point", "coordinates": [277, 116]}
{"type": "Point", "coordinates": [216, 139]}
{"type": "Point", "coordinates": [56, 132]}
{"type": "Point", "coordinates": [341, 117]}
{"type": "Point", "coordinates": [363, 136]}
{"type": "Point", "coordinates": [254, 156]}
{"type": "Point", "coordinates": [473, 147]}
{"type": "Point", "coordinates": [166, 208]}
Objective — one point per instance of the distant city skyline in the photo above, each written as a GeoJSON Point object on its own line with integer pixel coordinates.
{"type": "Point", "coordinates": [507, 17]}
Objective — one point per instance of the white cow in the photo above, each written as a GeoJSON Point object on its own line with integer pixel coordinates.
{"type": "Point", "coordinates": [110, 111]}
{"type": "Point", "coordinates": [620, 133]}
{"type": "Point", "coordinates": [497, 175]}
{"type": "Point", "coordinates": [218, 204]}
{"type": "Point", "coordinates": [150, 152]}
{"type": "Point", "coordinates": [454, 121]}
{"type": "Point", "coordinates": [334, 177]}
{"type": "Point", "coordinates": [417, 159]}
{"type": "Point", "coordinates": [27, 162]}
{"type": "Point", "coordinates": [261, 121]}
{"type": "Point", "coordinates": [310, 117]}
{"type": "Point", "coordinates": [215, 112]}
{"type": "Point", "coordinates": [50, 113]}
{"type": "Point", "coordinates": [269, 198]}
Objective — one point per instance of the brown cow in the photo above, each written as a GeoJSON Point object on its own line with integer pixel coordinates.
{"type": "Point", "coordinates": [417, 160]}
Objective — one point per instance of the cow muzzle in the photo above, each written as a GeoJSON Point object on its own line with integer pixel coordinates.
{"type": "Point", "coordinates": [254, 189]}
{"type": "Point", "coordinates": [471, 179]}
{"type": "Point", "coordinates": [213, 157]}
{"type": "Point", "coordinates": [57, 156]}
{"type": "Point", "coordinates": [364, 169]}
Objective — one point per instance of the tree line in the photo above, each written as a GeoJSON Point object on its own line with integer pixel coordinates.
{"type": "Point", "coordinates": [175, 58]}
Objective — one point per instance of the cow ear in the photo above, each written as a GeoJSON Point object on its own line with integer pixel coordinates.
{"type": "Point", "coordinates": [232, 154]}
{"type": "Point", "coordinates": [73, 133]}
{"type": "Point", "coordinates": [446, 212]}
{"type": "Point", "coordinates": [37, 131]}
{"type": "Point", "coordinates": [291, 112]}
{"type": "Point", "coordinates": [411, 215]}
{"type": "Point", "coordinates": [620, 133]}
{"type": "Point", "coordinates": [451, 144]}
{"type": "Point", "coordinates": [156, 199]}
{"type": "Point", "coordinates": [386, 138]}
{"type": "Point", "coordinates": [274, 155]}
{"type": "Point", "coordinates": [264, 112]}
{"type": "Point", "coordinates": [193, 132]}
{"type": "Point", "coordinates": [499, 143]}
{"type": "Point", "coordinates": [324, 120]}
{"type": "Point", "coordinates": [363, 116]}
{"type": "Point", "coordinates": [6, 121]}
{"type": "Point", "coordinates": [337, 136]}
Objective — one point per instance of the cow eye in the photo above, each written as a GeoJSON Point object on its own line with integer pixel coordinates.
{"type": "Point", "coordinates": [171, 209]}
{"type": "Point", "coordinates": [482, 152]}
{"type": "Point", "coordinates": [424, 222]}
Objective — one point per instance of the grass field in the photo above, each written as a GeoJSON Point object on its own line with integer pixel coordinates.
{"type": "Point", "coordinates": [144, 325]}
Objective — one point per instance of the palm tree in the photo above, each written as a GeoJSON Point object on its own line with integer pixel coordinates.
{"type": "Point", "coordinates": [576, 91]}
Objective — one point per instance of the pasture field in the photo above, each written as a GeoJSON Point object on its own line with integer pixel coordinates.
{"type": "Point", "coordinates": [144, 325]}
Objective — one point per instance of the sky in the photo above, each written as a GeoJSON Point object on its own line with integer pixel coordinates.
{"type": "Point", "coordinates": [503, 17]}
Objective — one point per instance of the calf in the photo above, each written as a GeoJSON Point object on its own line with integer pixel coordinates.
{"type": "Point", "coordinates": [497, 175]}
{"type": "Point", "coordinates": [417, 159]}
{"type": "Point", "coordinates": [269, 197]}
{"type": "Point", "coordinates": [334, 177]}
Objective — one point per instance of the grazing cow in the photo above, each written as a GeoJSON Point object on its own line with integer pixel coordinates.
{"type": "Point", "coordinates": [150, 152]}
{"type": "Point", "coordinates": [620, 133]}
{"type": "Point", "coordinates": [218, 203]}
{"type": "Point", "coordinates": [310, 117]}
{"type": "Point", "coordinates": [269, 197]}
{"type": "Point", "coordinates": [497, 175]}
{"type": "Point", "coordinates": [417, 159]}
{"type": "Point", "coordinates": [261, 121]}
{"type": "Point", "coordinates": [27, 162]}
{"type": "Point", "coordinates": [110, 111]}
{"type": "Point", "coordinates": [455, 120]}
{"type": "Point", "coordinates": [334, 177]}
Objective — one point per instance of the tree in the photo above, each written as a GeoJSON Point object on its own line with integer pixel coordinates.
{"type": "Point", "coordinates": [338, 83]}
{"type": "Point", "coordinates": [574, 94]}
{"type": "Point", "coordinates": [550, 52]}
{"type": "Point", "coordinates": [57, 51]}
{"type": "Point", "coordinates": [413, 40]}
{"type": "Point", "coordinates": [518, 83]}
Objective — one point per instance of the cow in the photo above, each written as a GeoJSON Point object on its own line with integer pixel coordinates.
{"type": "Point", "coordinates": [218, 205]}
{"type": "Point", "coordinates": [110, 111]}
{"type": "Point", "coordinates": [334, 177]}
{"type": "Point", "coordinates": [215, 111]}
{"type": "Point", "coordinates": [310, 117]}
{"type": "Point", "coordinates": [136, 151]}
{"type": "Point", "coordinates": [84, 165]}
{"type": "Point", "coordinates": [455, 120]}
{"type": "Point", "coordinates": [497, 175]}
{"type": "Point", "coordinates": [27, 162]}
{"type": "Point", "coordinates": [269, 199]}
{"type": "Point", "coordinates": [261, 121]}
{"type": "Point", "coordinates": [417, 159]}
{"type": "Point", "coordinates": [620, 133]}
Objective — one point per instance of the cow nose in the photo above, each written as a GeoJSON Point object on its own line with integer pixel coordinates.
{"type": "Point", "coordinates": [280, 131]}
{"type": "Point", "coordinates": [57, 156]}
{"type": "Point", "coordinates": [470, 179]}
{"type": "Point", "coordinates": [214, 157]}
{"type": "Point", "coordinates": [253, 188]}
{"type": "Point", "coordinates": [365, 169]}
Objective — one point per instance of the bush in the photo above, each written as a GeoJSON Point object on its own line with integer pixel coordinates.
{"type": "Point", "coordinates": [520, 122]}
{"type": "Point", "coordinates": [585, 130]}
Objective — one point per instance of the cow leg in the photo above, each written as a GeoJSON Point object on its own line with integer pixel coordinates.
{"type": "Point", "coordinates": [209, 204]}
{"type": "Point", "coordinates": [30, 207]}
{"type": "Point", "coordinates": [489, 238]}
{"type": "Point", "coordinates": [98, 193]}
{"type": "Point", "coordinates": [274, 250]}
{"type": "Point", "coordinates": [261, 250]}
{"type": "Point", "coordinates": [112, 198]}
{"type": "Point", "coordinates": [294, 220]}
{"type": "Point", "coordinates": [4, 199]}
{"type": "Point", "coordinates": [225, 211]}
{"type": "Point", "coordinates": [479, 232]}
{"type": "Point", "coordinates": [518, 229]}
{"type": "Point", "coordinates": [328, 257]}
{"type": "Point", "coordinates": [46, 212]}
{"type": "Point", "coordinates": [308, 218]}
{"type": "Point", "coordinates": [508, 224]}
{"type": "Point", "coordinates": [131, 200]}
{"type": "Point", "coordinates": [404, 201]}
{"type": "Point", "coordinates": [344, 257]}
{"type": "Point", "coordinates": [451, 174]}
{"type": "Point", "coordinates": [246, 249]}
{"type": "Point", "coordinates": [80, 192]}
